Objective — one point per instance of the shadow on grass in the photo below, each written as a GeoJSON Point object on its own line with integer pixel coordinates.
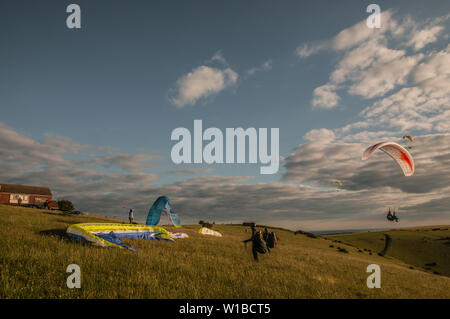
{"type": "Point", "coordinates": [58, 233]}
{"type": "Point", "coordinates": [62, 235]}
{"type": "Point", "coordinates": [57, 213]}
{"type": "Point", "coordinates": [386, 245]}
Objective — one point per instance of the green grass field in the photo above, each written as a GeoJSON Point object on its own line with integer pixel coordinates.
{"type": "Point", "coordinates": [35, 254]}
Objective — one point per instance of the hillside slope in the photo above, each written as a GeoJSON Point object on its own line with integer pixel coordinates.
{"type": "Point", "coordinates": [427, 248]}
{"type": "Point", "coordinates": [35, 254]}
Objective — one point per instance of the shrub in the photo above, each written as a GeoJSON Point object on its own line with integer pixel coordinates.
{"type": "Point", "coordinates": [65, 205]}
{"type": "Point", "coordinates": [205, 224]}
{"type": "Point", "coordinates": [310, 235]}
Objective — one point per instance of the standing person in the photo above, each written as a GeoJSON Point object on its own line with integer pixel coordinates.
{"type": "Point", "coordinates": [258, 243]}
{"type": "Point", "coordinates": [265, 234]}
{"type": "Point", "coordinates": [130, 216]}
{"type": "Point", "coordinates": [46, 204]}
{"type": "Point", "coordinates": [271, 240]}
{"type": "Point", "coordinates": [19, 201]}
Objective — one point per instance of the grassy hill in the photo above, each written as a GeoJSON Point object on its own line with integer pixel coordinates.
{"type": "Point", "coordinates": [426, 248]}
{"type": "Point", "coordinates": [35, 254]}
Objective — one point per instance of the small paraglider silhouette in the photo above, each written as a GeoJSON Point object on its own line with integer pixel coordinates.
{"type": "Point", "coordinates": [339, 184]}
{"type": "Point", "coordinates": [409, 138]}
{"type": "Point", "coordinates": [392, 216]}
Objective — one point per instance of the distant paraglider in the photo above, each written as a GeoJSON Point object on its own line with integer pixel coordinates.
{"type": "Point", "coordinates": [338, 184]}
{"type": "Point", "coordinates": [409, 137]}
{"type": "Point", "coordinates": [391, 216]}
{"type": "Point", "coordinates": [397, 152]}
{"type": "Point", "coordinates": [409, 140]}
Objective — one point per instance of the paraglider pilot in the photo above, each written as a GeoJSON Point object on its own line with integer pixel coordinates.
{"type": "Point", "coordinates": [265, 234]}
{"type": "Point", "coordinates": [389, 215]}
{"type": "Point", "coordinates": [394, 217]}
{"type": "Point", "coordinates": [258, 243]}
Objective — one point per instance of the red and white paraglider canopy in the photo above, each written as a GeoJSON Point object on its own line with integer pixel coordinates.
{"type": "Point", "coordinates": [397, 152]}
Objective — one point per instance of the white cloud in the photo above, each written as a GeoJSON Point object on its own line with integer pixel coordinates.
{"type": "Point", "coordinates": [325, 97]}
{"type": "Point", "coordinates": [368, 55]}
{"type": "Point", "coordinates": [218, 57]}
{"type": "Point", "coordinates": [97, 171]}
{"type": "Point", "coordinates": [350, 37]}
{"type": "Point", "coordinates": [357, 34]}
{"type": "Point", "coordinates": [202, 82]}
{"type": "Point", "coordinates": [375, 61]}
{"type": "Point", "coordinates": [423, 106]}
{"type": "Point", "coordinates": [384, 77]}
{"type": "Point", "coordinates": [305, 50]}
{"type": "Point", "coordinates": [192, 171]}
{"type": "Point", "coordinates": [322, 134]}
{"type": "Point", "coordinates": [423, 37]}
{"type": "Point", "coordinates": [436, 65]}
{"type": "Point", "coordinates": [266, 66]}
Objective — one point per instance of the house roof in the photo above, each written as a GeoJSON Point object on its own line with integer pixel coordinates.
{"type": "Point", "coordinates": [23, 189]}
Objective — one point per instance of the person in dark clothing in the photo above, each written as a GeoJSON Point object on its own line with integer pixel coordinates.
{"type": "Point", "coordinates": [130, 216]}
{"type": "Point", "coordinates": [272, 240]}
{"type": "Point", "coordinates": [394, 217]}
{"type": "Point", "coordinates": [389, 215]}
{"type": "Point", "coordinates": [265, 234]}
{"type": "Point", "coordinates": [258, 243]}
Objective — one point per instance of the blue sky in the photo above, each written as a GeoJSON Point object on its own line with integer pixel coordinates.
{"type": "Point", "coordinates": [104, 100]}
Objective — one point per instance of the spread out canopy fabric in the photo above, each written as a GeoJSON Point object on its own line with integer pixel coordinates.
{"type": "Point", "coordinates": [162, 205]}
{"type": "Point", "coordinates": [207, 231]}
{"type": "Point", "coordinates": [178, 235]}
{"type": "Point", "coordinates": [397, 152]}
{"type": "Point", "coordinates": [110, 234]}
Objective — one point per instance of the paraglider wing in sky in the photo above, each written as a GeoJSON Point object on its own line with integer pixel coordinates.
{"type": "Point", "coordinates": [409, 137]}
{"type": "Point", "coordinates": [397, 152]}
{"type": "Point", "coordinates": [162, 205]}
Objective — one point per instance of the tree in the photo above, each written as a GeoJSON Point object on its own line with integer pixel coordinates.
{"type": "Point", "coordinates": [65, 205]}
{"type": "Point", "coordinates": [205, 224]}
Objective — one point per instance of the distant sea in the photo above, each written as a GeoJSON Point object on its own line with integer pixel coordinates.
{"type": "Point", "coordinates": [343, 231]}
